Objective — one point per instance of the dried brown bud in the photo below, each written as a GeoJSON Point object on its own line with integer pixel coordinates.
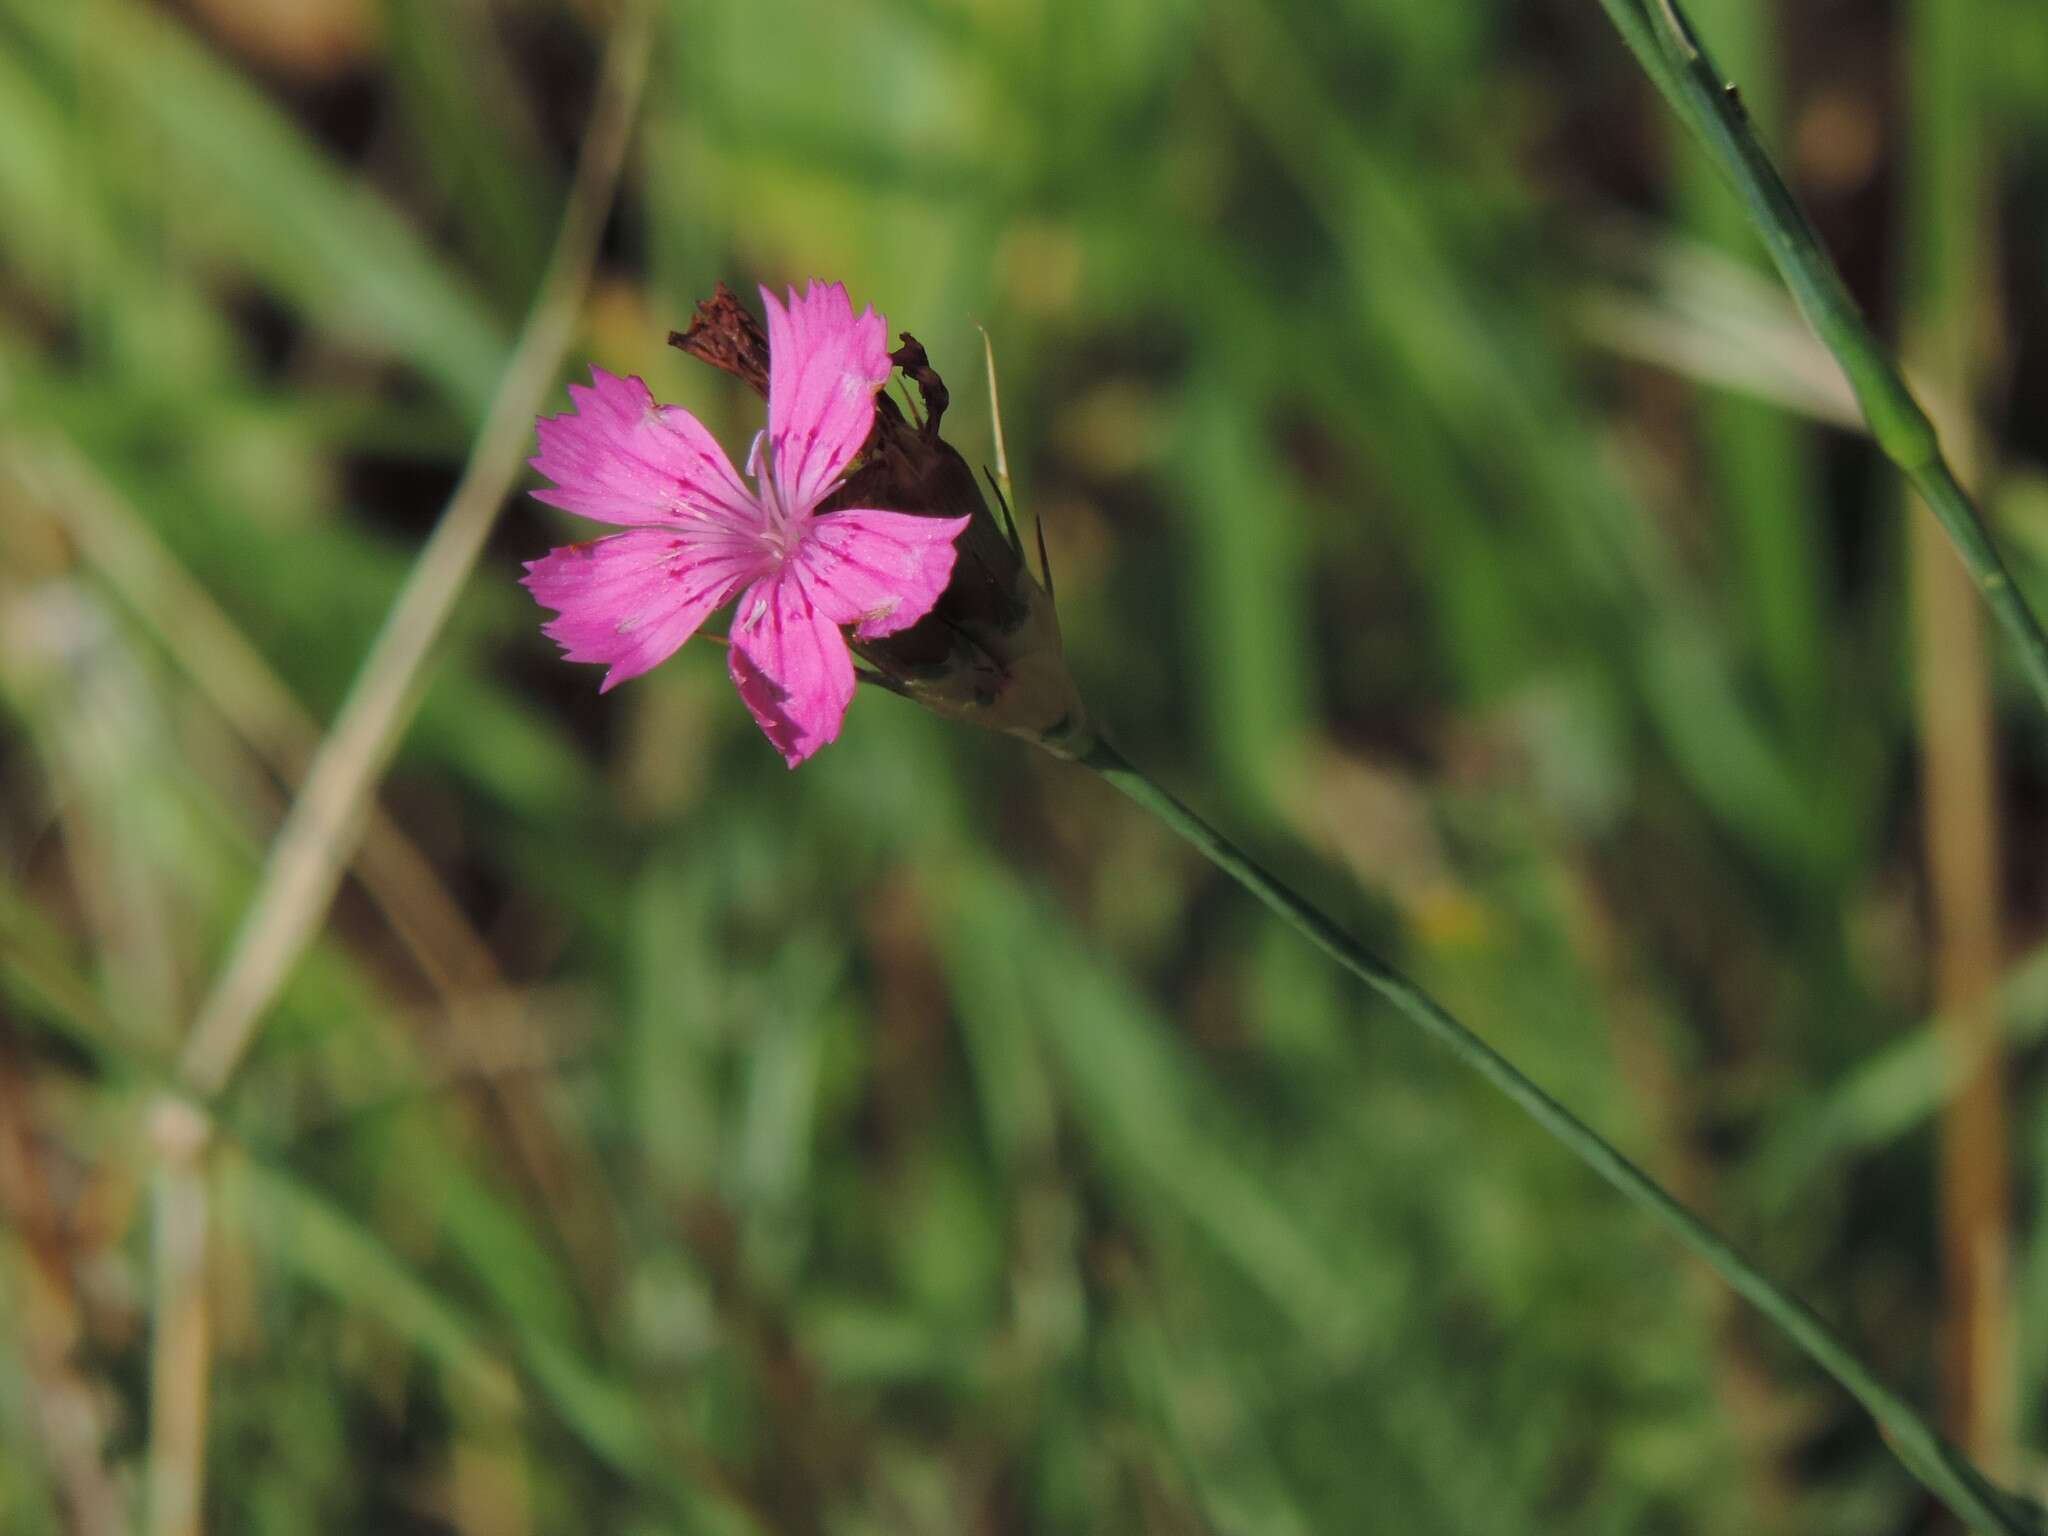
{"type": "Point", "coordinates": [727, 337]}
{"type": "Point", "coordinates": [989, 651]}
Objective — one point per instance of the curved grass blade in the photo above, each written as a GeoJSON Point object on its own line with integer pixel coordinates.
{"type": "Point", "coordinates": [1940, 1467]}
{"type": "Point", "coordinates": [1674, 57]}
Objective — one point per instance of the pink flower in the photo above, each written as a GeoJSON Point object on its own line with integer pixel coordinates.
{"type": "Point", "coordinates": [698, 535]}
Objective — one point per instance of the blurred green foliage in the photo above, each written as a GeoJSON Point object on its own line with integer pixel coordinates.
{"type": "Point", "coordinates": [918, 1143]}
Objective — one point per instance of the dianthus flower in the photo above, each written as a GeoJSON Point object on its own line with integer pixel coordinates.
{"type": "Point", "coordinates": [699, 536]}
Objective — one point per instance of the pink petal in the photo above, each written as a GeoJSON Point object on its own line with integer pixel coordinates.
{"type": "Point", "coordinates": [621, 458]}
{"type": "Point", "coordinates": [824, 367]}
{"type": "Point", "coordinates": [790, 664]}
{"type": "Point", "coordinates": [631, 599]}
{"type": "Point", "coordinates": [879, 570]}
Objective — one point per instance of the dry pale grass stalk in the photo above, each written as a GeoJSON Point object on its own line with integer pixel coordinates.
{"type": "Point", "coordinates": [312, 849]}
{"type": "Point", "coordinates": [476, 1022]}
{"type": "Point", "coordinates": [116, 542]}
{"type": "Point", "coordinates": [1949, 245]}
{"type": "Point", "coordinates": [1777, 365]}
{"type": "Point", "coordinates": [181, 1341]}
{"type": "Point", "coordinates": [329, 816]}
{"type": "Point", "coordinates": [1960, 835]}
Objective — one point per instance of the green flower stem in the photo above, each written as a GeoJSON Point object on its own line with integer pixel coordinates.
{"type": "Point", "coordinates": [1670, 52]}
{"type": "Point", "coordinates": [1945, 1471]}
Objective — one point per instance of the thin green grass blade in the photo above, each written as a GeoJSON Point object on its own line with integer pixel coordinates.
{"type": "Point", "coordinates": [1673, 54]}
{"type": "Point", "coordinates": [1488, 380]}
{"type": "Point", "coordinates": [1939, 1466]}
{"type": "Point", "coordinates": [1899, 1089]}
{"type": "Point", "coordinates": [1756, 454]}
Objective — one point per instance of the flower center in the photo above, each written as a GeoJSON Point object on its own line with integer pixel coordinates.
{"type": "Point", "coordinates": [782, 525]}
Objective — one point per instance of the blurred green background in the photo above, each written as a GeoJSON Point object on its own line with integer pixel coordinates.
{"type": "Point", "coordinates": [1441, 494]}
